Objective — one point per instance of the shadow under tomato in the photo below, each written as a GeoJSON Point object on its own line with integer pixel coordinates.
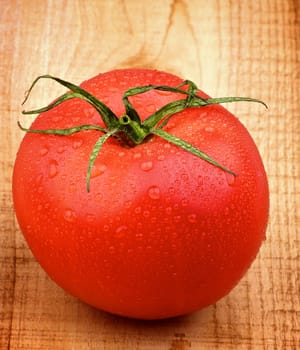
{"type": "Point", "coordinates": [174, 333]}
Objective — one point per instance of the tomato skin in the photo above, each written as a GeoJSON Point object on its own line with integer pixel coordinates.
{"type": "Point", "coordinates": [161, 233]}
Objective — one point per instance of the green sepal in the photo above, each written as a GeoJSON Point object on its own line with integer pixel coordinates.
{"type": "Point", "coordinates": [94, 154]}
{"type": "Point", "coordinates": [107, 115]}
{"type": "Point", "coordinates": [63, 132]}
{"type": "Point", "coordinates": [189, 148]}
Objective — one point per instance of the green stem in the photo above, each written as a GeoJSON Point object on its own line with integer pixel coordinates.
{"type": "Point", "coordinates": [166, 111]}
{"type": "Point", "coordinates": [134, 130]}
{"type": "Point", "coordinates": [189, 148]}
{"type": "Point", "coordinates": [129, 126]}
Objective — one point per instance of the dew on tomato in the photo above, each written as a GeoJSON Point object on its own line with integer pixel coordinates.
{"type": "Point", "coordinates": [44, 150]}
{"type": "Point", "coordinates": [147, 166]}
{"type": "Point", "coordinates": [77, 143]}
{"type": "Point", "coordinates": [154, 192]}
{"type": "Point", "coordinates": [53, 168]}
{"type": "Point", "coordinates": [231, 179]}
{"type": "Point", "coordinates": [98, 170]}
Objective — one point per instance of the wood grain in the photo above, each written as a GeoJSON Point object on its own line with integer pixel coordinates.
{"type": "Point", "coordinates": [229, 48]}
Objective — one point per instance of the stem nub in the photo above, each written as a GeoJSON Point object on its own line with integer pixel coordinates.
{"type": "Point", "coordinates": [129, 126]}
{"type": "Point", "coordinates": [133, 129]}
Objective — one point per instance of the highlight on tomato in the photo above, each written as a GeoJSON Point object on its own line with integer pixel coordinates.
{"type": "Point", "coordinates": [139, 194]}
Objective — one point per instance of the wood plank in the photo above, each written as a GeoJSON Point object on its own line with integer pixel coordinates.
{"type": "Point", "coordinates": [228, 48]}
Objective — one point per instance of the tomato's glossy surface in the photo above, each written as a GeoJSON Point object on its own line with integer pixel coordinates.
{"type": "Point", "coordinates": [162, 232]}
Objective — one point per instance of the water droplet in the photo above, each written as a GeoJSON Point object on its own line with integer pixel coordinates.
{"type": "Point", "coordinates": [161, 157]}
{"type": "Point", "coordinates": [60, 149]}
{"type": "Point", "coordinates": [138, 210]}
{"type": "Point", "coordinates": [139, 236]}
{"type": "Point", "coordinates": [209, 129]}
{"type": "Point", "coordinates": [146, 166]}
{"type": "Point", "coordinates": [137, 155]}
{"type": "Point", "coordinates": [150, 108]}
{"type": "Point", "coordinates": [91, 218]}
{"type": "Point", "coordinates": [75, 119]}
{"type": "Point", "coordinates": [39, 179]}
{"type": "Point", "coordinates": [57, 118]}
{"type": "Point", "coordinates": [174, 236]}
{"type": "Point", "coordinates": [53, 168]}
{"type": "Point", "coordinates": [203, 235]}
{"type": "Point", "coordinates": [98, 197]}
{"type": "Point", "coordinates": [121, 154]}
{"type": "Point", "coordinates": [112, 249]}
{"type": "Point", "coordinates": [77, 143]}
{"type": "Point", "coordinates": [44, 151]}
{"type": "Point", "coordinates": [172, 190]}
{"type": "Point", "coordinates": [168, 210]}
{"type": "Point", "coordinates": [89, 112]}
{"type": "Point", "coordinates": [184, 202]}
{"type": "Point", "coordinates": [184, 177]}
{"type": "Point", "coordinates": [113, 89]}
{"type": "Point", "coordinates": [177, 218]}
{"type": "Point", "coordinates": [146, 213]}
{"type": "Point", "coordinates": [69, 215]}
{"type": "Point", "coordinates": [192, 218]}
{"type": "Point", "coordinates": [105, 228]}
{"type": "Point", "coordinates": [98, 170]}
{"type": "Point", "coordinates": [128, 204]}
{"type": "Point", "coordinates": [153, 219]}
{"type": "Point", "coordinates": [154, 192]}
{"type": "Point", "coordinates": [72, 187]}
{"type": "Point", "coordinates": [121, 230]}
{"type": "Point", "coordinates": [231, 179]}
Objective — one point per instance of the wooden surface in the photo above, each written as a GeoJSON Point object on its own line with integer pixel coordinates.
{"type": "Point", "coordinates": [237, 47]}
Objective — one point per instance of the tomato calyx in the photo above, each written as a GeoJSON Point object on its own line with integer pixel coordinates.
{"type": "Point", "coordinates": [129, 127]}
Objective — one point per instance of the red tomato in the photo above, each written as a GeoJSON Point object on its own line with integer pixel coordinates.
{"type": "Point", "coordinates": [161, 232]}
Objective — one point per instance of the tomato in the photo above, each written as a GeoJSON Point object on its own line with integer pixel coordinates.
{"type": "Point", "coordinates": [160, 232]}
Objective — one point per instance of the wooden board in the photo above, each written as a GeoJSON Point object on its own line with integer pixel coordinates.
{"type": "Point", "coordinates": [227, 47]}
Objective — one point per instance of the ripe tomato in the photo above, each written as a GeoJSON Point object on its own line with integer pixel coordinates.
{"type": "Point", "coordinates": [161, 232]}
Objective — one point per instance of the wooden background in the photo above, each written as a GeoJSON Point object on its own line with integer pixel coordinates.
{"type": "Point", "coordinates": [237, 47]}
